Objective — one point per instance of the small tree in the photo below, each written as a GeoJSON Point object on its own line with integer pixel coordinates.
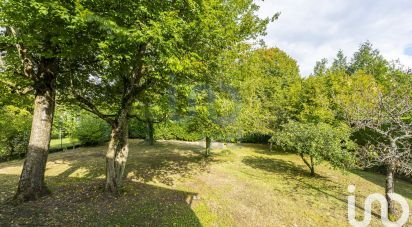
{"type": "Point", "coordinates": [153, 107]}
{"type": "Point", "coordinates": [317, 142]}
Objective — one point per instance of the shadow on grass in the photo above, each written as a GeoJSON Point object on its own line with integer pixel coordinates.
{"type": "Point", "coordinates": [77, 190]}
{"type": "Point", "coordinates": [299, 179]}
{"type": "Point", "coordinates": [83, 203]}
{"type": "Point", "coordinates": [162, 162]}
{"type": "Point", "coordinates": [276, 166]}
{"type": "Point", "coordinates": [379, 179]}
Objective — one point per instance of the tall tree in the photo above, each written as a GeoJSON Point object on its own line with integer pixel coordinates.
{"type": "Point", "coordinates": [38, 35]}
{"type": "Point", "coordinates": [147, 44]}
{"type": "Point", "coordinates": [370, 61]}
{"type": "Point", "coordinates": [269, 86]}
{"type": "Point", "coordinates": [340, 62]}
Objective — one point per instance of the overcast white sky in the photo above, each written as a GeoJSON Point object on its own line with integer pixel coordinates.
{"type": "Point", "coordinates": [309, 30]}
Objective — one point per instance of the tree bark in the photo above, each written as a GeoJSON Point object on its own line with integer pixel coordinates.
{"type": "Point", "coordinates": [311, 165]}
{"type": "Point", "coordinates": [390, 188]}
{"type": "Point", "coordinates": [117, 154]}
{"type": "Point", "coordinates": [208, 146]}
{"type": "Point", "coordinates": [31, 184]}
{"type": "Point", "coordinates": [150, 132]}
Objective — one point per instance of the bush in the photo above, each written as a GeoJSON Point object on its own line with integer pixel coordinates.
{"type": "Point", "coordinates": [176, 131]}
{"type": "Point", "coordinates": [255, 138]}
{"type": "Point", "coordinates": [15, 131]}
{"type": "Point", "coordinates": [92, 130]}
{"type": "Point", "coordinates": [137, 129]}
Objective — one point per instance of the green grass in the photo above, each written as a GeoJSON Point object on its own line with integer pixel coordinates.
{"type": "Point", "coordinates": [65, 143]}
{"type": "Point", "coordinates": [171, 184]}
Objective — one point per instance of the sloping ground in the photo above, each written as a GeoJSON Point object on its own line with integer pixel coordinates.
{"type": "Point", "coordinates": [172, 184]}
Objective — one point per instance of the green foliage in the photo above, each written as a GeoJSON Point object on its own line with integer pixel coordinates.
{"type": "Point", "coordinates": [137, 129]}
{"type": "Point", "coordinates": [65, 121]}
{"type": "Point", "coordinates": [269, 87]}
{"type": "Point", "coordinates": [315, 102]}
{"type": "Point", "coordinates": [177, 130]}
{"type": "Point", "coordinates": [255, 138]}
{"type": "Point", "coordinates": [370, 61]}
{"type": "Point", "coordinates": [92, 130]}
{"type": "Point", "coordinates": [14, 132]}
{"type": "Point", "coordinates": [318, 141]}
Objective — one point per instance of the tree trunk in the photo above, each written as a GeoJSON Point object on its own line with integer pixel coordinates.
{"type": "Point", "coordinates": [150, 133]}
{"type": "Point", "coordinates": [310, 165]}
{"type": "Point", "coordinates": [117, 153]}
{"type": "Point", "coordinates": [31, 185]}
{"type": "Point", "coordinates": [208, 146]}
{"type": "Point", "coordinates": [389, 188]}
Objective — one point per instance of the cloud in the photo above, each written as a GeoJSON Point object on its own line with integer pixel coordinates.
{"type": "Point", "coordinates": [310, 30]}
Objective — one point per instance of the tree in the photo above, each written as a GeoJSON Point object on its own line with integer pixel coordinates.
{"type": "Point", "coordinates": [269, 86]}
{"type": "Point", "coordinates": [147, 44]}
{"type": "Point", "coordinates": [212, 113]}
{"type": "Point", "coordinates": [321, 67]}
{"type": "Point", "coordinates": [316, 104]}
{"type": "Point", "coordinates": [340, 62]}
{"type": "Point", "coordinates": [317, 142]}
{"type": "Point", "coordinates": [38, 35]}
{"type": "Point", "coordinates": [370, 61]}
{"type": "Point", "coordinates": [152, 108]}
{"type": "Point", "coordinates": [388, 117]}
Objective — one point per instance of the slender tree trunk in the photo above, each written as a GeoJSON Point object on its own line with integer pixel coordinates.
{"type": "Point", "coordinates": [31, 185]}
{"type": "Point", "coordinates": [389, 188]}
{"type": "Point", "coordinates": [208, 146]}
{"type": "Point", "coordinates": [117, 153]}
{"type": "Point", "coordinates": [311, 165]}
{"type": "Point", "coordinates": [312, 168]}
{"type": "Point", "coordinates": [149, 124]}
{"type": "Point", "coordinates": [150, 132]}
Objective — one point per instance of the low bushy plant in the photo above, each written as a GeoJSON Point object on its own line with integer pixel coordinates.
{"type": "Point", "coordinates": [92, 130]}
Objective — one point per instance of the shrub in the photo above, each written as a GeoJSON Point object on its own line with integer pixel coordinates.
{"type": "Point", "coordinates": [137, 129]}
{"type": "Point", "coordinates": [176, 131]}
{"type": "Point", "coordinates": [255, 138]}
{"type": "Point", "coordinates": [15, 131]}
{"type": "Point", "coordinates": [92, 130]}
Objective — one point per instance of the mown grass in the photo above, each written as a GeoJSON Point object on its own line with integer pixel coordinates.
{"type": "Point", "coordinates": [172, 184]}
{"type": "Point", "coordinates": [65, 143]}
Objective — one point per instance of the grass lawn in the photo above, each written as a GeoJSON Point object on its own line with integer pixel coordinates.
{"type": "Point", "coordinates": [172, 184]}
{"type": "Point", "coordinates": [64, 143]}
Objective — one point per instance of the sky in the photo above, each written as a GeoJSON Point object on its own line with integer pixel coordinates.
{"type": "Point", "coordinates": [309, 30]}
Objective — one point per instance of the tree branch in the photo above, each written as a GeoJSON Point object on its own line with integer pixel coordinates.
{"type": "Point", "coordinates": [23, 55]}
